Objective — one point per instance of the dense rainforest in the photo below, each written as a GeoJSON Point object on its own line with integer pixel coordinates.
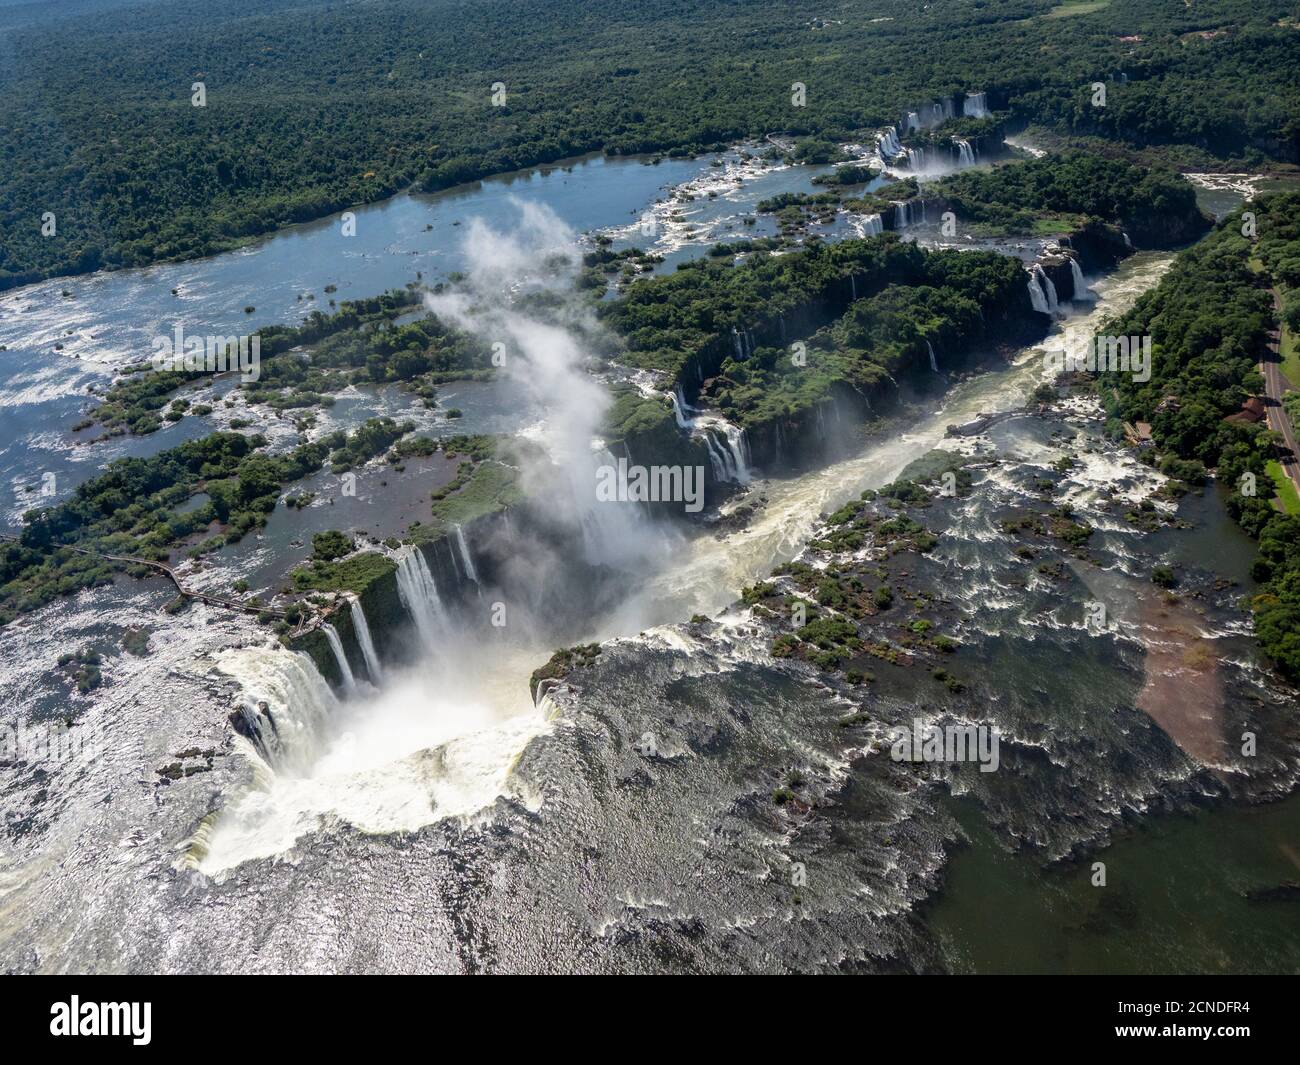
{"type": "Point", "coordinates": [868, 309]}
{"type": "Point", "coordinates": [1209, 320]}
{"type": "Point", "coordinates": [312, 107]}
{"type": "Point", "coordinates": [1156, 207]}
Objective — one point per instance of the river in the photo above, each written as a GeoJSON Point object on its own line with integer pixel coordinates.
{"type": "Point", "coordinates": [432, 815]}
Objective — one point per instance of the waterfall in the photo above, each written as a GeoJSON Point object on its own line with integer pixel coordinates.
{"type": "Point", "coordinates": [1080, 288]}
{"type": "Point", "coordinates": [728, 451]}
{"type": "Point", "coordinates": [887, 144]}
{"type": "Point", "coordinates": [913, 121]}
{"type": "Point", "coordinates": [336, 645]}
{"type": "Point", "coordinates": [1127, 243]}
{"type": "Point", "coordinates": [680, 408]}
{"type": "Point", "coordinates": [286, 705]}
{"type": "Point", "coordinates": [871, 226]}
{"type": "Point", "coordinates": [853, 278]}
{"type": "Point", "coordinates": [902, 214]}
{"type": "Point", "coordinates": [739, 448]}
{"type": "Point", "coordinates": [735, 343]}
{"type": "Point", "coordinates": [975, 105]}
{"type": "Point", "coordinates": [717, 460]}
{"type": "Point", "coordinates": [466, 560]}
{"type": "Point", "coordinates": [1042, 293]}
{"type": "Point", "coordinates": [419, 594]}
{"type": "Point", "coordinates": [934, 366]}
{"type": "Point", "coordinates": [915, 158]}
{"type": "Point", "coordinates": [362, 630]}
{"type": "Point", "coordinates": [967, 153]}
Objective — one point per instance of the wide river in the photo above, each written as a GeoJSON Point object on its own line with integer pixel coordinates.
{"type": "Point", "coordinates": [62, 337]}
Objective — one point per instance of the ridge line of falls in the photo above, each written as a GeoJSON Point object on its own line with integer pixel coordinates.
{"type": "Point", "coordinates": [336, 645]}
{"type": "Point", "coordinates": [419, 594]}
{"type": "Point", "coordinates": [1042, 293]}
{"type": "Point", "coordinates": [362, 629]}
{"type": "Point", "coordinates": [466, 559]}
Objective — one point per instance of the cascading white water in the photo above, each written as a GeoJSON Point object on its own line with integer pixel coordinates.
{"type": "Point", "coordinates": [902, 214]}
{"type": "Point", "coordinates": [975, 105]}
{"type": "Point", "coordinates": [681, 408]}
{"type": "Point", "coordinates": [1042, 293]}
{"type": "Point", "coordinates": [934, 365]}
{"type": "Point", "coordinates": [870, 226]}
{"type": "Point", "coordinates": [915, 158]}
{"type": "Point", "coordinates": [336, 645]}
{"type": "Point", "coordinates": [362, 630]}
{"type": "Point", "coordinates": [466, 559]}
{"type": "Point", "coordinates": [419, 594]}
{"type": "Point", "coordinates": [1080, 286]}
{"type": "Point", "coordinates": [287, 703]}
{"type": "Point", "coordinates": [887, 144]}
{"type": "Point", "coordinates": [967, 153]}
{"type": "Point", "coordinates": [727, 447]}
{"type": "Point", "coordinates": [738, 450]}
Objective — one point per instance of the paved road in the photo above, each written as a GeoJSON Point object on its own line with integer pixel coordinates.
{"type": "Point", "coordinates": [1274, 387]}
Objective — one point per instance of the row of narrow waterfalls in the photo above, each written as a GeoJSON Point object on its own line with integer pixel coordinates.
{"type": "Point", "coordinates": [894, 154]}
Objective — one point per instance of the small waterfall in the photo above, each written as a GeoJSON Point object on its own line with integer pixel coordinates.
{"type": "Point", "coordinates": [362, 630]}
{"type": "Point", "coordinates": [466, 560]}
{"type": "Point", "coordinates": [1080, 287]}
{"type": "Point", "coordinates": [728, 449]}
{"type": "Point", "coordinates": [739, 448]}
{"type": "Point", "coordinates": [853, 278]}
{"type": "Point", "coordinates": [736, 345]}
{"type": "Point", "coordinates": [1042, 293]}
{"type": "Point", "coordinates": [913, 121]}
{"type": "Point", "coordinates": [934, 366]}
{"type": "Point", "coordinates": [915, 158]}
{"type": "Point", "coordinates": [1127, 243]}
{"type": "Point", "coordinates": [871, 226]}
{"type": "Point", "coordinates": [975, 105]}
{"type": "Point", "coordinates": [887, 144]}
{"type": "Point", "coordinates": [717, 460]}
{"type": "Point", "coordinates": [681, 408]}
{"type": "Point", "coordinates": [728, 452]}
{"type": "Point", "coordinates": [419, 594]}
{"type": "Point", "coordinates": [902, 214]}
{"type": "Point", "coordinates": [968, 157]}
{"type": "Point", "coordinates": [336, 645]}
{"type": "Point", "coordinates": [287, 705]}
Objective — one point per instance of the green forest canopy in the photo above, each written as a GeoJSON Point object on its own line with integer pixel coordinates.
{"type": "Point", "coordinates": [319, 105]}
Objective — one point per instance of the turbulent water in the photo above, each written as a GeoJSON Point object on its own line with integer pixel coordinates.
{"type": "Point", "coordinates": [444, 822]}
{"type": "Point", "coordinates": [433, 817]}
